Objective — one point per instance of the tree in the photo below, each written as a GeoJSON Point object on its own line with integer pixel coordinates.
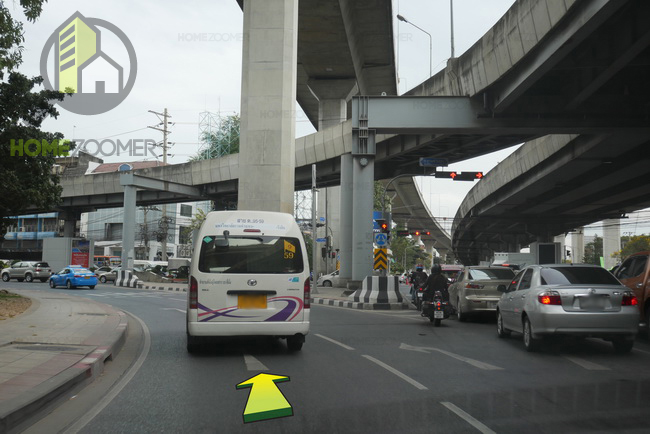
{"type": "Point", "coordinates": [380, 198]}
{"type": "Point", "coordinates": [594, 251]}
{"type": "Point", "coordinates": [26, 180]}
{"type": "Point", "coordinates": [224, 141]}
{"type": "Point", "coordinates": [633, 244]}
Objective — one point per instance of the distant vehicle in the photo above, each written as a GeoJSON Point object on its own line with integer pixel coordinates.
{"type": "Point", "coordinates": [249, 277]}
{"type": "Point", "coordinates": [476, 289]}
{"type": "Point", "coordinates": [106, 274]}
{"type": "Point", "coordinates": [107, 261]}
{"type": "Point", "coordinates": [451, 271]}
{"type": "Point", "coordinates": [634, 272]}
{"type": "Point", "coordinates": [577, 300]}
{"type": "Point", "coordinates": [27, 271]}
{"type": "Point", "coordinates": [404, 277]}
{"type": "Point", "coordinates": [331, 279]}
{"type": "Point", "coordinates": [72, 277]}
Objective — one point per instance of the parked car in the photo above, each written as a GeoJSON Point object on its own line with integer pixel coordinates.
{"type": "Point", "coordinates": [106, 274]}
{"type": "Point", "coordinates": [634, 272]}
{"type": "Point", "coordinates": [578, 300]}
{"type": "Point", "coordinates": [27, 271]}
{"type": "Point", "coordinates": [74, 276]}
{"type": "Point", "coordinates": [476, 289]}
{"type": "Point", "coordinates": [331, 279]}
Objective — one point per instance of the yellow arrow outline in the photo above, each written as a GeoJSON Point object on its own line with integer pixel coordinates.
{"type": "Point", "coordinates": [265, 400]}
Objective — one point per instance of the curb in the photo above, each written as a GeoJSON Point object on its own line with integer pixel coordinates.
{"type": "Point", "coordinates": [161, 288]}
{"type": "Point", "coordinates": [46, 396]}
{"type": "Point", "coordinates": [359, 305]}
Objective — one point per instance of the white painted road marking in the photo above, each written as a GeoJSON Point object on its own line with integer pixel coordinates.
{"type": "Point", "coordinates": [468, 418]}
{"type": "Point", "coordinates": [335, 342]}
{"type": "Point", "coordinates": [178, 299]}
{"type": "Point", "coordinates": [591, 366]}
{"type": "Point", "coordinates": [475, 363]}
{"type": "Point", "coordinates": [173, 308]}
{"type": "Point", "coordinates": [396, 372]}
{"type": "Point", "coordinates": [252, 364]}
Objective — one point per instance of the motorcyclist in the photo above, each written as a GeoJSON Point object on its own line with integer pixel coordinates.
{"type": "Point", "coordinates": [418, 278]}
{"type": "Point", "coordinates": [436, 282]}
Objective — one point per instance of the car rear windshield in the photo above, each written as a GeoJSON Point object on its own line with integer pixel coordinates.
{"type": "Point", "coordinates": [577, 276]}
{"type": "Point", "coordinates": [491, 274]}
{"type": "Point", "coordinates": [42, 264]}
{"type": "Point", "coordinates": [250, 255]}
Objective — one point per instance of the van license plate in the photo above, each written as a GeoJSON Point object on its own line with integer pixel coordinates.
{"type": "Point", "coordinates": [251, 301]}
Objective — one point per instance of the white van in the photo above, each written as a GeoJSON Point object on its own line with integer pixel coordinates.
{"type": "Point", "coordinates": [249, 277]}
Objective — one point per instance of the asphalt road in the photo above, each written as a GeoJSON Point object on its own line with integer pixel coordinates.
{"type": "Point", "coordinates": [370, 371]}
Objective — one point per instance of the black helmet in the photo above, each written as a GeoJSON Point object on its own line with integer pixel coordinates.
{"type": "Point", "coordinates": [436, 269]}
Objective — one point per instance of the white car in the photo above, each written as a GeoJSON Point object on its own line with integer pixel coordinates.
{"type": "Point", "coordinates": [575, 300]}
{"type": "Point", "coordinates": [331, 279]}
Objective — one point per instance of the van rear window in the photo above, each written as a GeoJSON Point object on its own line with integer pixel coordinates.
{"type": "Point", "coordinates": [251, 254]}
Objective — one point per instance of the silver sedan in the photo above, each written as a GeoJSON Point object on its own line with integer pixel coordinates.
{"type": "Point", "coordinates": [475, 289]}
{"type": "Point", "coordinates": [578, 300]}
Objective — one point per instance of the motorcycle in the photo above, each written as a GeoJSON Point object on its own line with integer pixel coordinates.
{"type": "Point", "coordinates": [436, 309]}
{"type": "Point", "coordinates": [419, 294]}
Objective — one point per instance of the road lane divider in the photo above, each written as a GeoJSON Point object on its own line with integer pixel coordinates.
{"type": "Point", "coordinates": [174, 308]}
{"type": "Point", "coordinates": [591, 366]}
{"type": "Point", "coordinates": [475, 363]}
{"type": "Point", "coordinates": [468, 418]}
{"type": "Point", "coordinates": [396, 372]}
{"type": "Point", "coordinates": [335, 342]}
{"type": "Point", "coordinates": [252, 364]}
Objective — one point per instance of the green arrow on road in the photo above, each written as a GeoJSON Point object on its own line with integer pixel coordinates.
{"type": "Point", "coordinates": [265, 401]}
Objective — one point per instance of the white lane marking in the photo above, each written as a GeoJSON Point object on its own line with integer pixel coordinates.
{"type": "Point", "coordinates": [369, 311]}
{"type": "Point", "coordinates": [591, 366]}
{"type": "Point", "coordinates": [334, 342]}
{"type": "Point", "coordinates": [640, 351]}
{"type": "Point", "coordinates": [178, 299]}
{"type": "Point", "coordinates": [252, 364]}
{"type": "Point", "coordinates": [468, 418]}
{"type": "Point", "coordinates": [475, 363]}
{"type": "Point", "coordinates": [173, 308]}
{"type": "Point", "coordinates": [90, 415]}
{"type": "Point", "coordinates": [396, 372]}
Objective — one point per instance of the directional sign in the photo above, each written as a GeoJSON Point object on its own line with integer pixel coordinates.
{"type": "Point", "coordinates": [434, 162]}
{"type": "Point", "coordinates": [265, 401]}
{"type": "Point", "coordinates": [381, 239]}
{"type": "Point", "coordinates": [381, 259]}
{"type": "Point", "coordinates": [321, 240]}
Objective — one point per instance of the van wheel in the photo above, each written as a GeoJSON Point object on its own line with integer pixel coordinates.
{"type": "Point", "coordinates": [193, 344]}
{"type": "Point", "coordinates": [294, 343]}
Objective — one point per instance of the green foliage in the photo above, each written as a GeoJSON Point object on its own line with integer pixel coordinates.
{"type": "Point", "coordinates": [26, 180]}
{"type": "Point", "coordinates": [381, 198]}
{"type": "Point", "coordinates": [406, 254]}
{"type": "Point", "coordinates": [594, 251]}
{"type": "Point", "coordinates": [224, 141]}
{"type": "Point", "coordinates": [638, 243]}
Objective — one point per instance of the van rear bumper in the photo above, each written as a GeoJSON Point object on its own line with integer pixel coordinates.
{"type": "Point", "coordinates": [247, 328]}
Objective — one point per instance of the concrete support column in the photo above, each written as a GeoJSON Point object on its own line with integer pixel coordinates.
{"type": "Point", "coordinates": [128, 227]}
{"type": "Point", "coordinates": [267, 148]}
{"type": "Point", "coordinates": [70, 219]}
{"type": "Point", "coordinates": [611, 240]}
{"type": "Point", "coordinates": [362, 204]}
{"type": "Point", "coordinates": [560, 239]}
{"type": "Point", "coordinates": [345, 272]}
{"type": "Point", "coordinates": [428, 247]}
{"type": "Point", "coordinates": [578, 246]}
{"type": "Point", "coordinates": [331, 112]}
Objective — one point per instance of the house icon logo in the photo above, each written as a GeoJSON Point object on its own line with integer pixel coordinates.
{"type": "Point", "coordinates": [98, 82]}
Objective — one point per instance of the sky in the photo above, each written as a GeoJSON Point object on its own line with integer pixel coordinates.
{"type": "Point", "coordinates": [189, 61]}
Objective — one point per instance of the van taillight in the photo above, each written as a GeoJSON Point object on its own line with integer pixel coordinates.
{"type": "Point", "coordinates": [307, 299]}
{"type": "Point", "coordinates": [194, 293]}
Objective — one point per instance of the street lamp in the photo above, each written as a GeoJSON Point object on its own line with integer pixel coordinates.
{"type": "Point", "coordinates": [401, 18]}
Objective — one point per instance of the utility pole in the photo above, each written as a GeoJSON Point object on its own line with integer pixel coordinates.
{"type": "Point", "coordinates": [165, 115]}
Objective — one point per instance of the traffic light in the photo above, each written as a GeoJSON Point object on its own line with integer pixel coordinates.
{"type": "Point", "coordinates": [402, 233]}
{"type": "Point", "coordinates": [459, 176]}
{"type": "Point", "coordinates": [383, 226]}
{"type": "Point", "coordinates": [416, 233]}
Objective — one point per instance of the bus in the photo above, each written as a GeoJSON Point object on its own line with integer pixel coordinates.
{"type": "Point", "coordinates": [107, 261]}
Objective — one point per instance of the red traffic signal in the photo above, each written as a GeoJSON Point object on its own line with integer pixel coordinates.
{"type": "Point", "coordinates": [459, 176]}
{"type": "Point", "coordinates": [383, 226]}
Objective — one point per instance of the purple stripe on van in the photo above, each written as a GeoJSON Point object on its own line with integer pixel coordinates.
{"type": "Point", "coordinates": [285, 313]}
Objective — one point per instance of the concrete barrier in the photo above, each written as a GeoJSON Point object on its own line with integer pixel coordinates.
{"type": "Point", "coordinates": [126, 278]}
{"type": "Point", "coordinates": [381, 292]}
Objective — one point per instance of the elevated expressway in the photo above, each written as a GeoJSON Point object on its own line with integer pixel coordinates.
{"type": "Point", "coordinates": [545, 67]}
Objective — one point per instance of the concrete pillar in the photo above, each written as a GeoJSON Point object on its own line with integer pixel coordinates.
{"type": "Point", "coordinates": [70, 219]}
{"type": "Point", "coordinates": [267, 148]}
{"type": "Point", "coordinates": [560, 239]}
{"type": "Point", "coordinates": [329, 204]}
{"type": "Point", "coordinates": [578, 246]}
{"type": "Point", "coordinates": [128, 227]}
{"type": "Point", "coordinates": [346, 217]}
{"type": "Point", "coordinates": [363, 170]}
{"type": "Point", "coordinates": [428, 248]}
{"type": "Point", "coordinates": [333, 96]}
{"type": "Point", "coordinates": [611, 240]}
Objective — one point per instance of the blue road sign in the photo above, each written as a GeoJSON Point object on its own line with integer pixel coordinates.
{"type": "Point", "coordinates": [433, 162]}
{"type": "Point", "coordinates": [381, 239]}
{"type": "Point", "coordinates": [321, 240]}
